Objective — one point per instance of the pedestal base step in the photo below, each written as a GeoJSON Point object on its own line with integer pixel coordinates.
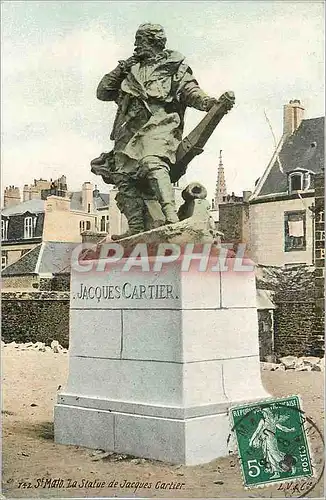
{"type": "Point", "coordinates": [177, 435]}
{"type": "Point", "coordinates": [189, 441]}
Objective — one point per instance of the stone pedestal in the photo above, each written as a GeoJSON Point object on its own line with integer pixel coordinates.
{"type": "Point", "coordinates": [156, 360]}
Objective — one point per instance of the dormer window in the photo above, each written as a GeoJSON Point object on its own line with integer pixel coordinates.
{"type": "Point", "coordinates": [28, 227]}
{"type": "Point", "coordinates": [4, 229]}
{"type": "Point", "coordinates": [299, 180]}
{"type": "Point", "coordinates": [295, 182]}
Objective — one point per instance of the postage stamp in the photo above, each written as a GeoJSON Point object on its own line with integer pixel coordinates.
{"type": "Point", "coordinates": [272, 442]}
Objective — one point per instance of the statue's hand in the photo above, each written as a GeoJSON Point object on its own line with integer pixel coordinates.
{"type": "Point", "coordinates": [126, 65]}
{"type": "Point", "coordinates": [209, 102]}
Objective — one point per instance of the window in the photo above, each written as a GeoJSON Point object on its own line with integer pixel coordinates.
{"type": "Point", "coordinates": [82, 226]}
{"type": "Point", "coordinates": [3, 261]}
{"type": "Point", "coordinates": [4, 229]}
{"type": "Point", "coordinates": [320, 235]}
{"type": "Point", "coordinates": [321, 216]}
{"type": "Point", "coordinates": [295, 182]}
{"type": "Point", "coordinates": [88, 225]}
{"type": "Point", "coordinates": [299, 181]}
{"type": "Point", "coordinates": [103, 224]}
{"type": "Point", "coordinates": [294, 231]}
{"type": "Point", "coordinates": [89, 208]}
{"type": "Point", "coordinates": [28, 227]}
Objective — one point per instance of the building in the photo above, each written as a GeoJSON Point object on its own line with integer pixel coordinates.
{"type": "Point", "coordinates": [277, 220]}
{"type": "Point", "coordinates": [234, 218]}
{"type": "Point", "coordinates": [52, 214]}
{"type": "Point", "coordinates": [41, 188]}
{"type": "Point", "coordinates": [41, 268]}
{"type": "Point", "coordinates": [282, 224]}
{"type": "Point", "coordinates": [282, 203]}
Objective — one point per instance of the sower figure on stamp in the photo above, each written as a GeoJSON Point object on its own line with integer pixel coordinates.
{"type": "Point", "coordinates": [152, 90]}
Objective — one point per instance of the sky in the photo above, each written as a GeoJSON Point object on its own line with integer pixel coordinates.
{"type": "Point", "coordinates": [55, 53]}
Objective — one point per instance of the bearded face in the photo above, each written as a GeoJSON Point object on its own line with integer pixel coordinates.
{"type": "Point", "coordinates": [150, 40]}
{"type": "Point", "coordinates": [145, 46]}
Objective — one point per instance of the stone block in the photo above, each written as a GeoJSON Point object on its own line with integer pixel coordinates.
{"type": "Point", "coordinates": [117, 288]}
{"type": "Point", "coordinates": [238, 288]}
{"type": "Point", "coordinates": [148, 437]}
{"type": "Point", "coordinates": [126, 380]}
{"type": "Point", "coordinates": [203, 383]}
{"type": "Point", "coordinates": [95, 333]}
{"type": "Point", "coordinates": [212, 431]}
{"type": "Point", "coordinates": [194, 288]}
{"type": "Point", "coordinates": [87, 427]}
{"type": "Point", "coordinates": [193, 441]}
{"type": "Point", "coordinates": [152, 336]}
{"type": "Point", "coordinates": [223, 334]}
{"type": "Point", "coordinates": [241, 379]}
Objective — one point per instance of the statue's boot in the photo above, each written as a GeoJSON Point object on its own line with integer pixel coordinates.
{"type": "Point", "coordinates": [160, 184]}
{"type": "Point", "coordinates": [133, 209]}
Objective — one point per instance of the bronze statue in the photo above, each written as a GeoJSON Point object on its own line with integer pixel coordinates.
{"type": "Point", "coordinates": [152, 90]}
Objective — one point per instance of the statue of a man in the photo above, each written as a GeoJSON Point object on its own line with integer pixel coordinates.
{"type": "Point", "coordinates": [152, 90]}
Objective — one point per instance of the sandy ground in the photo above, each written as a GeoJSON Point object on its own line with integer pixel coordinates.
{"type": "Point", "coordinates": [30, 383]}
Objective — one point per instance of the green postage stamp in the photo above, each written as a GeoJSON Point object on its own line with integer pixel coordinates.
{"type": "Point", "coordinates": [272, 442]}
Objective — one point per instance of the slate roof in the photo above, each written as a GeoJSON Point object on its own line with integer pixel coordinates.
{"type": "Point", "coordinates": [37, 206]}
{"type": "Point", "coordinates": [32, 206]}
{"type": "Point", "coordinates": [25, 265]}
{"type": "Point", "coordinates": [303, 149]}
{"type": "Point", "coordinates": [47, 257]}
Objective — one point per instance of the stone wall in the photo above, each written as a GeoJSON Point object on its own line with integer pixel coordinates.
{"type": "Point", "coordinates": [294, 316]}
{"type": "Point", "coordinates": [318, 344]}
{"type": "Point", "coordinates": [294, 324]}
{"type": "Point", "coordinates": [234, 222]}
{"type": "Point", "coordinates": [33, 316]}
{"type": "Point", "coordinates": [26, 282]}
{"type": "Point", "coordinates": [230, 221]}
{"type": "Point", "coordinates": [266, 334]}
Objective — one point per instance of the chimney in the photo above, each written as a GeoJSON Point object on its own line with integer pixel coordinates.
{"type": "Point", "coordinates": [11, 196]}
{"type": "Point", "coordinates": [26, 193]}
{"type": "Point", "coordinates": [246, 195]}
{"type": "Point", "coordinates": [87, 197]}
{"type": "Point", "coordinates": [292, 116]}
{"type": "Point", "coordinates": [35, 193]}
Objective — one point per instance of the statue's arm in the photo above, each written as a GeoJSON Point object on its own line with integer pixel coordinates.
{"type": "Point", "coordinates": [109, 86]}
{"type": "Point", "coordinates": [284, 428]}
{"type": "Point", "coordinates": [191, 94]}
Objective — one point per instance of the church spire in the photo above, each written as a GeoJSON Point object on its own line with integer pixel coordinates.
{"type": "Point", "coordinates": [220, 190]}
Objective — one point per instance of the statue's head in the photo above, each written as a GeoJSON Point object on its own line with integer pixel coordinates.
{"type": "Point", "coordinates": [150, 39]}
{"type": "Point", "coordinates": [267, 413]}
